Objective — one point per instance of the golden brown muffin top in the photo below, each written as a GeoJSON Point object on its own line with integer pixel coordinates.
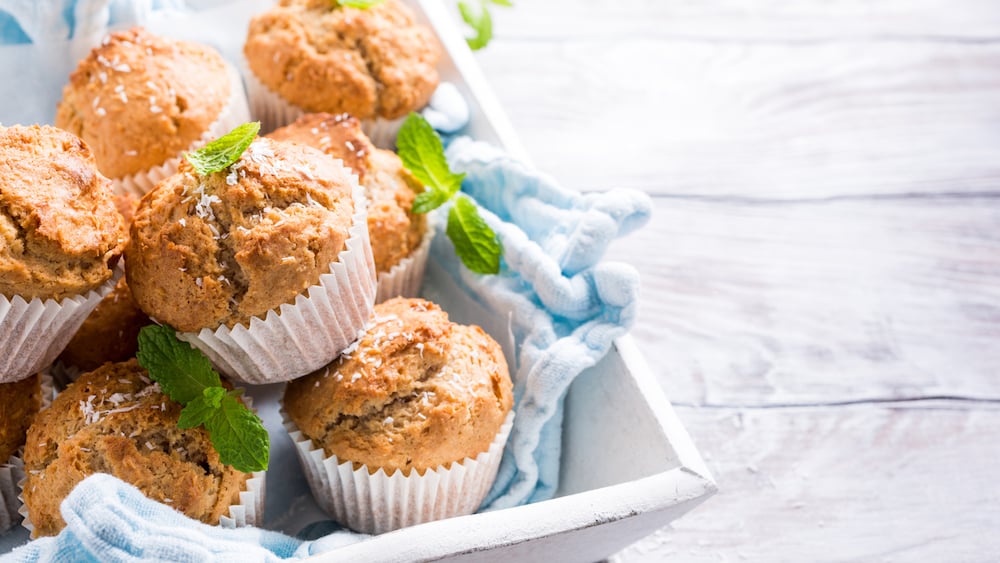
{"type": "Point", "coordinates": [109, 333]}
{"type": "Point", "coordinates": [60, 234]}
{"type": "Point", "coordinates": [224, 248]}
{"type": "Point", "coordinates": [416, 391]}
{"type": "Point", "coordinates": [139, 99]}
{"type": "Point", "coordinates": [394, 230]}
{"type": "Point", "coordinates": [321, 56]}
{"type": "Point", "coordinates": [114, 420]}
{"type": "Point", "coordinates": [19, 403]}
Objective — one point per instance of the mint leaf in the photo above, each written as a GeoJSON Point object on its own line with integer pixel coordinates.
{"type": "Point", "coordinates": [187, 377]}
{"type": "Point", "coordinates": [224, 151]}
{"type": "Point", "coordinates": [182, 372]}
{"type": "Point", "coordinates": [422, 154]}
{"type": "Point", "coordinates": [360, 4]}
{"type": "Point", "coordinates": [475, 242]}
{"type": "Point", "coordinates": [201, 410]}
{"type": "Point", "coordinates": [429, 200]}
{"type": "Point", "coordinates": [239, 436]}
{"type": "Point", "coordinates": [481, 23]}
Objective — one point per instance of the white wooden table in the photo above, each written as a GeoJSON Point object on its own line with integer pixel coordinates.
{"type": "Point", "coordinates": [822, 271]}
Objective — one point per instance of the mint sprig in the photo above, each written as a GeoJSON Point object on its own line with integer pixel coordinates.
{"type": "Point", "coordinates": [187, 377]}
{"type": "Point", "coordinates": [480, 20]}
{"type": "Point", "coordinates": [224, 151]}
{"type": "Point", "coordinates": [422, 154]}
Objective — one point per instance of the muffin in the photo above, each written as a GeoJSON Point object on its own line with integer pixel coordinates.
{"type": "Point", "coordinates": [400, 238]}
{"type": "Point", "coordinates": [408, 425]}
{"type": "Point", "coordinates": [377, 64]}
{"type": "Point", "coordinates": [19, 403]}
{"type": "Point", "coordinates": [110, 333]}
{"type": "Point", "coordinates": [114, 420]}
{"type": "Point", "coordinates": [141, 100]}
{"type": "Point", "coordinates": [62, 240]}
{"type": "Point", "coordinates": [265, 266]}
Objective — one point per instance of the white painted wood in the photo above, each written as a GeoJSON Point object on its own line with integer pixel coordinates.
{"type": "Point", "coordinates": [826, 235]}
{"type": "Point", "coordinates": [914, 482]}
{"type": "Point", "coordinates": [755, 120]}
{"type": "Point", "coordinates": [742, 20]}
{"type": "Point", "coordinates": [755, 304]}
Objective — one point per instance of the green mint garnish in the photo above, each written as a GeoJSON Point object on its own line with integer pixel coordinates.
{"type": "Point", "coordinates": [360, 4]}
{"type": "Point", "coordinates": [224, 151]}
{"type": "Point", "coordinates": [187, 377]}
{"type": "Point", "coordinates": [475, 242]}
{"type": "Point", "coordinates": [480, 20]}
{"type": "Point", "coordinates": [422, 154]}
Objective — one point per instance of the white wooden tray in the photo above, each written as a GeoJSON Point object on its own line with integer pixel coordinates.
{"type": "Point", "coordinates": [628, 466]}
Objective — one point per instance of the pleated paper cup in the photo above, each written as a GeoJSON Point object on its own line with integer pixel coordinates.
{"type": "Point", "coordinates": [33, 333]}
{"type": "Point", "coordinates": [12, 472]}
{"type": "Point", "coordinates": [405, 278]}
{"type": "Point", "coordinates": [378, 503]}
{"type": "Point", "coordinates": [301, 337]}
{"type": "Point", "coordinates": [236, 112]}
{"type": "Point", "coordinates": [250, 510]}
{"type": "Point", "coordinates": [11, 475]}
{"type": "Point", "coordinates": [273, 111]}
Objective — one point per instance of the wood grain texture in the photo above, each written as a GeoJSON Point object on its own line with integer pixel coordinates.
{"type": "Point", "coordinates": [763, 304]}
{"type": "Point", "coordinates": [757, 121]}
{"type": "Point", "coordinates": [824, 253]}
{"type": "Point", "coordinates": [915, 482]}
{"type": "Point", "coordinates": [759, 20]}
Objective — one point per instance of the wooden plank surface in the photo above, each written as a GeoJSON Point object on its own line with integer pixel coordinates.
{"type": "Point", "coordinates": [824, 255]}
{"type": "Point", "coordinates": [913, 482]}
{"type": "Point", "coordinates": [756, 120]}
{"type": "Point", "coordinates": [820, 302]}
{"type": "Point", "coordinates": [756, 20]}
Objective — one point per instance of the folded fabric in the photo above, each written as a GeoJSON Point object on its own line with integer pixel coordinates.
{"type": "Point", "coordinates": [566, 306]}
{"type": "Point", "coordinates": [110, 521]}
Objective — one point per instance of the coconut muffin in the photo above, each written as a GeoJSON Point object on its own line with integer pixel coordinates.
{"type": "Point", "coordinates": [417, 412]}
{"type": "Point", "coordinates": [216, 253]}
{"type": "Point", "coordinates": [396, 232]}
{"type": "Point", "coordinates": [319, 56]}
{"type": "Point", "coordinates": [109, 334]}
{"type": "Point", "coordinates": [140, 100]}
{"type": "Point", "coordinates": [19, 403]}
{"type": "Point", "coordinates": [62, 239]}
{"type": "Point", "coordinates": [114, 420]}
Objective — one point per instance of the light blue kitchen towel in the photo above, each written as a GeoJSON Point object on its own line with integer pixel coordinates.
{"type": "Point", "coordinates": [566, 305]}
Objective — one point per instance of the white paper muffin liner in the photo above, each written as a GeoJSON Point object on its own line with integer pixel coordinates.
{"type": "Point", "coordinates": [379, 503]}
{"type": "Point", "coordinates": [236, 112]}
{"type": "Point", "coordinates": [301, 337]}
{"type": "Point", "coordinates": [250, 510]}
{"type": "Point", "coordinates": [405, 278]}
{"type": "Point", "coordinates": [11, 475]}
{"type": "Point", "coordinates": [12, 472]}
{"type": "Point", "coordinates": [64, 374]}
{"type": "Point", "coordinates": [273, 111]}
{"type": "Point", "coordinates": [33, 333]}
